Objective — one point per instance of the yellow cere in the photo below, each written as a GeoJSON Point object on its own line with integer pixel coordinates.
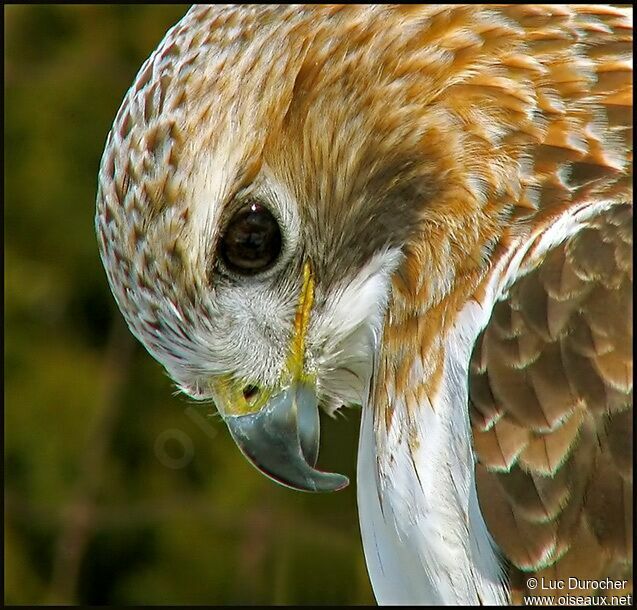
{"type": "Point", "coordinates": [229, 392]}
{"type": "Point", "coordinates": [231, 400]}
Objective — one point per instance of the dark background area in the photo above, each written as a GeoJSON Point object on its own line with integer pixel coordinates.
{"type": "Point", "coordinates": [117, 490]}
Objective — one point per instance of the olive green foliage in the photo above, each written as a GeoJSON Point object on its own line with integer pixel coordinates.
{"type": "Point", "coordinates": [117, 490]}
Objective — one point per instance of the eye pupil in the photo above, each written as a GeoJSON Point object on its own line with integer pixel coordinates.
{"type": "Point", "coordinates": [252, 241]}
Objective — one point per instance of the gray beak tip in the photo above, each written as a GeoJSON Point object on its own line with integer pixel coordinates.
{"type": "Point", "coordinates": [282, 441]}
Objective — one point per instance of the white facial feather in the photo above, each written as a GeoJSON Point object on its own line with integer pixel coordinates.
{"type": "Point", "coordinates": [340, 337]}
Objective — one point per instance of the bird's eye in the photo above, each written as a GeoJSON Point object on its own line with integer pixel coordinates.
{"type": "Point", "coordinates": [252, 241]}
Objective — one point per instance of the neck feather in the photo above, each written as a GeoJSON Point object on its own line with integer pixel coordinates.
{"type": "Point", "coordinates": [424, 536]}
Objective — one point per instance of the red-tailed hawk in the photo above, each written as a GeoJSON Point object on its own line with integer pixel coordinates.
{"type": "Point", "coordinates": [422, 210]}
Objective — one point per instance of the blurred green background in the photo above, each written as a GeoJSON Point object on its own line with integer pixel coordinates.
{"type": "Point", "coordinates": [118, 491]}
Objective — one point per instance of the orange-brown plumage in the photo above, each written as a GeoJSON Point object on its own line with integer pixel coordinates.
{"type": "Point", "coordinates": [483, 152]}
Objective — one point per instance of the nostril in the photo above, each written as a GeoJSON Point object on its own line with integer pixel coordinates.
{"type": "Point", "coordinates": [250, 393]}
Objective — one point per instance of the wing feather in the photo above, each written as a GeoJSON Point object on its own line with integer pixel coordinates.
{"type": "Point", "coordinates": [551, 410]}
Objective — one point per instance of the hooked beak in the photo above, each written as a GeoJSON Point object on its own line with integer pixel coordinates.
{"type": "Point", "coordinates": [282, 440]}
{"type": "Point", "coordinates": [279, 432]}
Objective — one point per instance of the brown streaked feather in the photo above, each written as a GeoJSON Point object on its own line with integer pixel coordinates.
{"type": "Point", "coordinates": [555, 471]}
{"type": "Point", "coordinates": [536, 498]}
{"type": "Point", "coordinates": [500, 445]}
{"type": "Point", "coordinates": [549, 375]}
{"type": "Point", "coordinates": [458, 135]}
{"type": "Point", "coordinates": [552, 118]}
{"type": "Point", "coordinates": [546, 452]}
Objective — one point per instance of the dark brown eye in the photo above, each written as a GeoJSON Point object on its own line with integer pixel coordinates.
{"type": "Point", "coordinates": [252, 241]}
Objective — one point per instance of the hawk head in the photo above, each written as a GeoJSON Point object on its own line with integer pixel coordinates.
{"type": "Point", "coordinates": [277, 181]}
